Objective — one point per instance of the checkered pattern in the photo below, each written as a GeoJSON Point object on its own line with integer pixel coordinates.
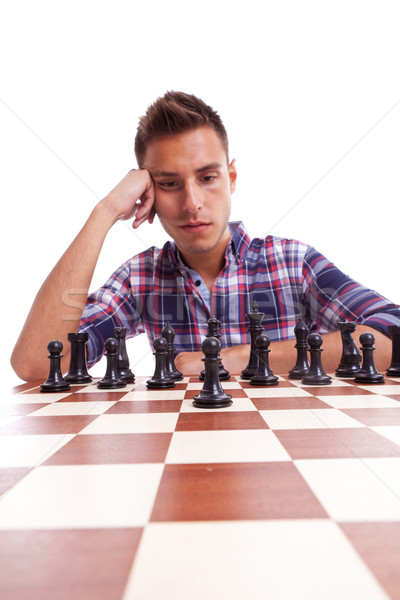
{"type": "Point", "coordinates": [288, 280]}
{"type": "Point", "coordinates": [292, 492]}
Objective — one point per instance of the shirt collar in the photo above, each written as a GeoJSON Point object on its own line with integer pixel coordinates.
{"type": "Point", "coordinates": [240, 240]}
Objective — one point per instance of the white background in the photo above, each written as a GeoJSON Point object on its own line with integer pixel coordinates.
{"type": "Point", "coordinates": [309, 92]}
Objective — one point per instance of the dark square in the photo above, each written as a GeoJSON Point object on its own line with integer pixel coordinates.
{"type": "Point", "coordinates": [213, 421]}
{"type": "Point", "coordinates": [43, 425]}
{"type": "Point", "coordinates": [374, 417]}
{"type": "Point", "coordinates": [379, 546]}
{"type": "Point", "coordinates": [292, 403]}
{"type": "Point", "coordinates": [113, 449]}
{"type": "Point", "coordinates": [144, 406]}
{"type": "Point", "coordinates": [208, 492]}
{"type": "Point", "coordinates": [10, 476]}
{"type": "Point", "coordinates": [335, 443]}
{"type": "Point", "coordinates": [87, 564]}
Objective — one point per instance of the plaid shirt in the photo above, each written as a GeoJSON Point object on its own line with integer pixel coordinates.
{"type": "Point", "coordinates": [287, 278]}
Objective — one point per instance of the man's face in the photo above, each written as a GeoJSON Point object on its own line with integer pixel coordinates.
{"type": "Point", "coordinates": [193, 185]}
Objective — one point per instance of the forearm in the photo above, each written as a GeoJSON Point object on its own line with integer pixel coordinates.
{"type": "Point", "coordinates": [58, 306]}
{"type": "Point", "coordinates": [283, 354]}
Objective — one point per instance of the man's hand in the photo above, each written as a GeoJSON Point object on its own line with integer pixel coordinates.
{"type": "Point", "coordinates": [189, 363]}
{"type": "Point", "coordinates": [132, 197]}
{"type": "Point", "coordinates": [234, 360]}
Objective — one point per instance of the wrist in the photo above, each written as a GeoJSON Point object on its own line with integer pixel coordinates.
{"type": "Point", "coordinates": [104, 214]}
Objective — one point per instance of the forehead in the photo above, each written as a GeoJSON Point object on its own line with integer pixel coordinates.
{"type": "Point", "coordinates": [191, 149]}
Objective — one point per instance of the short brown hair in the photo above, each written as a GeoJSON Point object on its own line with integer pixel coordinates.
{"type": "Point", "coordinates": [174, 113]}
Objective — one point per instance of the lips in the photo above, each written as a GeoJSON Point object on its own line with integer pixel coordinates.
{"type": "Point", "coordinates": [198, 227]}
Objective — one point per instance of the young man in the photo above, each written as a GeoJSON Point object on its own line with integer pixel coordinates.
{"type": "Point", "coordinates": [211, 268]}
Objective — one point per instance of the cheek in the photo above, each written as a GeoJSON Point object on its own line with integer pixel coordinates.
{"type": "Point", "coordinates": [165, 204]}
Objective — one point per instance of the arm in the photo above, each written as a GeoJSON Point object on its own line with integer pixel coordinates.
{"type": "Point", "coordinates": [283, 354]}
{"type": "Point", "coordinates": [58, 306]}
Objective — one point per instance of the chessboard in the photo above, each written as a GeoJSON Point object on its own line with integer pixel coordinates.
{"type": "Point", "coordinates": [130, 494]}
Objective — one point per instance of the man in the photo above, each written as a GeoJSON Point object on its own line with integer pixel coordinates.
{"type": "Point", "coordinates": [212, 267]}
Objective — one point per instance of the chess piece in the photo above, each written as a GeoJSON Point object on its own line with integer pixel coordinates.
{"type": "Point", "coordinates": [123, 361]}
{"type": "Point", "coordinates": [263, 375]}
{"type": "Point", "coordinates": [212, 395]}
{"type": "Point", "coordinates": [368, 373]}
{"type": "Point", "coordinates": [169, 334]}
{"type": "Point", "coordinates": [161, 378]}
{"type": "Point", "coordinates": [213, 331]}
{"type": "Point", "coordinates": [77, 372]}
{"type": "Point", "coordinates": [394, 369]}
{"type": "Point", "coordinates": [55, 381]}
{"type": "Point", "coordinates": [302, 365]}
{"type": "Point", "coordinates": [350, 361]}
{"type": "Point", "coordinates": [255, 328]}
{"type": "Point", "coordinates": [316, 374]}
{"type": "Point", "coordinates": [111, 379]}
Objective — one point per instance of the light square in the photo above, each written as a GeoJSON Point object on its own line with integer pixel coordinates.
{"type": "Point", "coordinates": [82, 496]}
{"type": "Point", "coordinates": [7, 420]}
{"type": "Point", "coordinates": [387, 469]}
{"type": "Point", "coordinates": [385, 389]}
{"type": "Point", "coordinates": [265, 559]}
{"type": "Point", "coordinates": [154, 395]}
{"type": "Point", "coordinates": [133, 423]}
{"type": "Point", "coordinates": [276, 392]}
{"type": "Point", "coordinates": [307, 419]}
{"type": "Point", "coordinates": [349, 490]}
{"type": "Point", "coordinates": [72, 408]}
{"type": "Point", "coordinates": [40, 398]}
{"type": "Point", "coordinates": [93, 389]}
{"type": "Point", "coordinates": [390, 432]}
{"type": "Point", "coordinates": [225, 446]}
{"type": "Point", "coordinates": [29, 450]}
{"type": "Point", "coordinates": [335, 383]}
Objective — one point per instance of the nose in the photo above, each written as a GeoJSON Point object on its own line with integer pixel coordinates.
{"type": "Point", "coordinates": [192, 201]}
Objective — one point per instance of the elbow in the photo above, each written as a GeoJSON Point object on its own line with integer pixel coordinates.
{"type": "Point", "coordinates": [25, 370]}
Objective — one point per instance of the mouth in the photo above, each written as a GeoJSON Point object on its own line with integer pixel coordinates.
{"type": "Point", "coordinates": [197, 227]}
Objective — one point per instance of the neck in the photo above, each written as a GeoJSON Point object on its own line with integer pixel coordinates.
{"type": "Point", "coordinates": [208, 264]}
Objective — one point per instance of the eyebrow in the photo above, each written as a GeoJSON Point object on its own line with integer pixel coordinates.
{"type": "Point", "coordinates": [209, 167]}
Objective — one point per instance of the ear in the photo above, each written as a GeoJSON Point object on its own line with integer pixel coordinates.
{"type": "Point", "coordinates": [232, 174]}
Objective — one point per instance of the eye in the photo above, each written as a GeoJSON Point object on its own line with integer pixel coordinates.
{"type": "Point", "coordinates": [208, 178]}
{"type": "Point", "coordinates": [167, 184]}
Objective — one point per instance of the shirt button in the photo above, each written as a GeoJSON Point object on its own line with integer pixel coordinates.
{"type": "Point", "coordinates": [197, 282]}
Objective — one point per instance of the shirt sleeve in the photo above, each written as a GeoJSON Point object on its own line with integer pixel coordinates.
{"type": "Point", "coordinates": [331, 296]}
{"type": "Point", "coordinates": [112, 305]}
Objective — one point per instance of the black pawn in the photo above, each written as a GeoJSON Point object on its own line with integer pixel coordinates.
{"type": "Point", "coordinates": [123, 361]}
{"type": "Point", "coordinates": [161, 378]}
{"type": "Point", "coordinates": [169, 334]}
{"type": "Point", "coordinates": [302, 365]}
{"type": "Point", "coordinates": [263, 375]}
{"type": "Point", "coordinates": [213, 331]}
{"type": "Point", "coordinates": [350, 361]}
{"type": "Point", "coordinates": [77, 372]}
{"type": "Point", "coordinates": [255, 328]}
{"type": "Point", "coordinates": [368, 373]}
{"type": "Point", "coordinates": [316, 374]}
{"type": "Point", "coordinates": [212, 395]}
{"type": "Point", "coordinates": [55, 381]}
{"type": "Point", "coordinates": [394, 369]}
{"type": "Point", "coordinates": [111, 379]}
